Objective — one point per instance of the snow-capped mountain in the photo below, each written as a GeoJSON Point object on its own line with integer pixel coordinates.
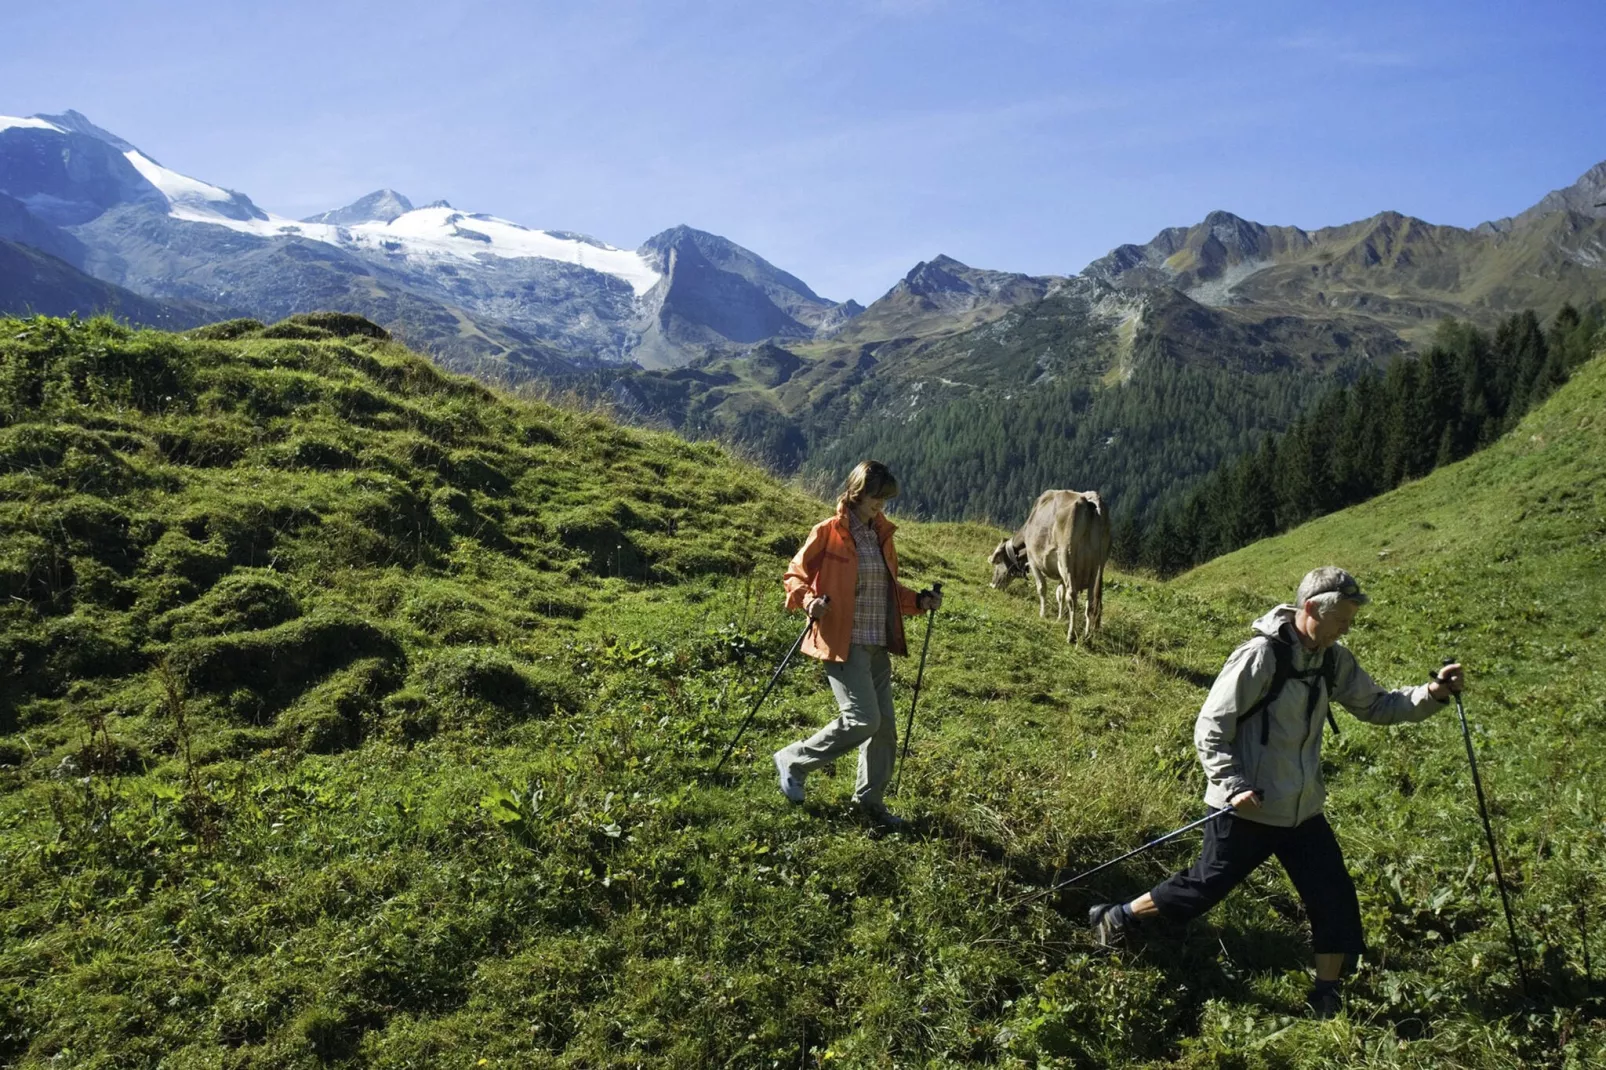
{"type": "Point", "coordinates": [380, 206]}
{"type": "Point", "coordinates": [484, 293]}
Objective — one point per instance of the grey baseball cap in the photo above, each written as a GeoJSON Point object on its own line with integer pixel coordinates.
{"type": "Point", "coordinates": [1329, 578]}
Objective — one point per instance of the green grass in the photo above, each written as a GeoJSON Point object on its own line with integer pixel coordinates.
{"type": "Point", "coordinates": [354, 714]}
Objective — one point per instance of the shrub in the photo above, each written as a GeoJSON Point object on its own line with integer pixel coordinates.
{"type": "Point", "coordinates": [225, 330]}
{"type": "Point", "coordinates": [471, 685]}
{"type": "Point", "coordinates": [277, 664]}
{"type": "Point", "coordinates": [244, 601]}
{"type": "Point", "coordinates": [59, 651]}
{"type": "Point", "coordinates": [477, 471]}
{"type": "Point", "coordinates": [340, 712]}
{"type": "Point", "coordinates": [52, 366]}
{"type": "Point", "coordinates": [288, 329]}
{"type": "Point", "coordinates": [341, 324]}
{"type": "Point", "coordinates": [313, 453]}
{"type": "Point", "coordinates": [602, 533]}
{"type": "Point", "coordinates": [35, 571]}
{"type": "Point", "coordinates": [182, 567]}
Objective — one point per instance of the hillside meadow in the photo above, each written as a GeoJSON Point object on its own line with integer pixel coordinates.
{"type": "Point", "coordinates": [355, 714]}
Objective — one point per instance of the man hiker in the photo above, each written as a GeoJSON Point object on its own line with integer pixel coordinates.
{"type": "Point", "coordinates": [1259, 737]}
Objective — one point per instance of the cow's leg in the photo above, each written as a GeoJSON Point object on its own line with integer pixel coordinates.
{"type": "Point", "coordinates": [1042, 583]}
{"type": "Point", "coordinates": [1059, 601]}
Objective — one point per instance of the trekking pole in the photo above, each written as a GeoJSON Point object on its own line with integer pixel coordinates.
{"type": "Point", "coordinates": [908, 729]}
{"type": "Point", "coordinates": [1488, 831]}
{"type": "Point", "coordinates": [778, 670]}
{"type": "Point", "coordinates": [1099, 869]}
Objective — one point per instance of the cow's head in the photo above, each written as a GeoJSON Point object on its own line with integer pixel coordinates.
{"type": "Point", "coordinates": [1008, 562]}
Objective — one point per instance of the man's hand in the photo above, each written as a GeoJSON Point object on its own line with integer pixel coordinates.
{"type": "Point", "coordinates": [929, 600]}
{"type": "Point", "coordinates": [1447, 682]}
{"type": "Point", "coordinates": [816, 607]}
{"type": "Point", "coordinates": [1245, 800]}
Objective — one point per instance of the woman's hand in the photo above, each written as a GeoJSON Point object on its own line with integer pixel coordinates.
{"type": "Point", "coordinates": [816, 607]}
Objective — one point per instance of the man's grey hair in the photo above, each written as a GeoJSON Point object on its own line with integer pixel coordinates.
{"type": "Point", "coordinates": [1325, 603]}
{"type": "Point", "coordinates": [1327, 587]}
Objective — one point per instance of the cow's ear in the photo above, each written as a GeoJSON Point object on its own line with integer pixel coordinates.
{"type": "Point", "coordinates": [996, 556]}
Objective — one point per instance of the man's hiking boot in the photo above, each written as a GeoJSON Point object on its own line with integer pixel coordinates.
{"type": "Point", "coordinates": [1112, 927]}
{"type": "Point", "coordinates": [791, 784]}
{"type": "Point", "coordinates": [1325, 1001]}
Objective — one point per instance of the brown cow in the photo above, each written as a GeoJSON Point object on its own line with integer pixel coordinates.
{"type": "Point", "coordinates": [1067, 538]}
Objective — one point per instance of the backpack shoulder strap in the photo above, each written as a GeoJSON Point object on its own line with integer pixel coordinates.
{"type": "Point", "coordinates": [1329, 675]}
{"type": "Point", "coordinates": [1282, 672]}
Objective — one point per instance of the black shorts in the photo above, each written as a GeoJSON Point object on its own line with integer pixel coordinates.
{"type": "Point", "coordinates": [1234, 847]}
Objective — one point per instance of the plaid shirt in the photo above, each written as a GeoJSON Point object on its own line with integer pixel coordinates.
{"type": "Point", "coordinates": [872, 595]}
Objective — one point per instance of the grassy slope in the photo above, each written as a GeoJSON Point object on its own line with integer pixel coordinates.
{"type": "Point", "coordinates": [449, 803]}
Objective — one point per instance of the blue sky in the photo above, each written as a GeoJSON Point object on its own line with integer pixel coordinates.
{"type": "Point", "coordinates": [845, 141]}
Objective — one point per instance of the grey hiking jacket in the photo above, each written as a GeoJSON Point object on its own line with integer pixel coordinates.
{"type": "Point", "coordinates": [1287, 770]}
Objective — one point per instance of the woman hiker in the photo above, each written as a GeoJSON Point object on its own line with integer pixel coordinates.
{"type": "Point", "coordinates": [846, 579]}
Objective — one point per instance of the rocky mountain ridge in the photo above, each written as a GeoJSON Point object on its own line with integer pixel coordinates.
{"type": "Point", "coordinates": [506, 301]}
{"type": "Point", "coordinates": [480, 293]}
{"type": "Point", "coordinates": [1229, 315]}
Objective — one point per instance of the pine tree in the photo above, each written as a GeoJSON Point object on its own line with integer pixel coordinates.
{"type": "Point", "coordinates": [1126, 538]}
{"type": "Point", "coordinates": [1399, 441]}
{"type": "Point", "coordinates": [1162, 551]}
{"type": "Point", "coordinates": [1529, 358]}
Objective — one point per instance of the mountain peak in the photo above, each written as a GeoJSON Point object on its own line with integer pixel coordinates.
{"type": "Point", "coordinates": [380, 206]}
{"type": "Point", "coordinates": [678, 233]}
{"type": "Point", "coordinates": [940, 274]}
{"type": "Point", "coordinates": [787, 290]}
{"type": "Point", "coordinates": [681, 236]}
{"type": "Point", "coordinates": [78, 123]}
{"type": "Point", "coordinates": [1587, 196]}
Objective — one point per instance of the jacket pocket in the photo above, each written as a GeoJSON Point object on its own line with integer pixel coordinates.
{"type": "Point", "coordinates": [837, 557]}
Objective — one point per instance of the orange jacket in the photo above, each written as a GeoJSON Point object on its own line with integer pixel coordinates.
{"type": "Point", "coordinates": [828, 564]}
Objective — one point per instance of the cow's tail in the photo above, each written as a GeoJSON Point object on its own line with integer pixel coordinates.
{"type": "Point", "coordinates": [1095, 595]}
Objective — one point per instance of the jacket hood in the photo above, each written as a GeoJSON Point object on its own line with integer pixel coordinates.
{"type": "Point", "coordinates": [1273, 622]}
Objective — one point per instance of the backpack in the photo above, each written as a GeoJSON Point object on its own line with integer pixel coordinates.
{"type": "Point", "coordinates": [1282, 649]}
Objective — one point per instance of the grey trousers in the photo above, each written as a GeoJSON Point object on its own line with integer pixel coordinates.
{"type": "Point", "coordinates": [863, 689]}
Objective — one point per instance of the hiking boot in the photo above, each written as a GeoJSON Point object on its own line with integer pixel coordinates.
{"type": "Point", "coordinates": [791, 784]}
{"type": "Point", "coordinates": [1110, 924]}
{"type": "Point", "coordinates": [1325, 1001]}
{"type": "Point", "coordinates": [878, 814]}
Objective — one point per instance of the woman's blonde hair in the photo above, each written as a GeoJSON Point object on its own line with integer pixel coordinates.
{"type": "Point", "coordinates": [869, 479]}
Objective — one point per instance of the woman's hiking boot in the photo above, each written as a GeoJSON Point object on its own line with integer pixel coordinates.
{"type": "Point", "coordinates": [878, 814]}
